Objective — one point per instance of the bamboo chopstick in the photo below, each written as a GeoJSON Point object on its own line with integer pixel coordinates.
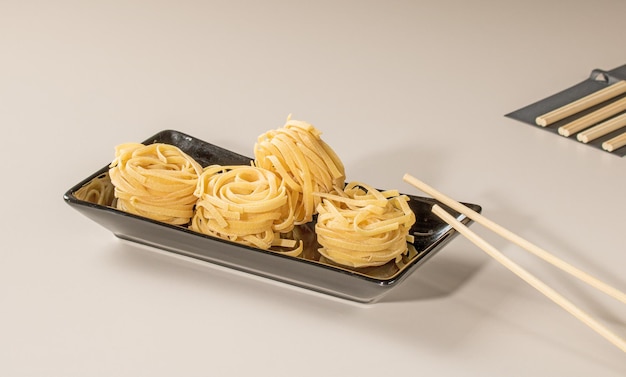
{"type": "Point", "coordinates": [602, 129]}
{"type": "Point", "coordinates": [531, 279]}
{"type": "Point", "coordinates": [590, 119]}
{"type": "Point", "coordinates": [584, 103]}
{"type": "Point", "coordinates": [512, 237]}
{"type": "Point", "coordinates": [614, 143]}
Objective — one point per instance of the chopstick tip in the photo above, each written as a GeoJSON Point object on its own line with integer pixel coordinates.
{"type": "Point", "coordinates": [541, 122]}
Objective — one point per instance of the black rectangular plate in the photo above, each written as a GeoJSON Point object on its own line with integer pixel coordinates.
{"type": "Point", "coordinates": [309, 271]}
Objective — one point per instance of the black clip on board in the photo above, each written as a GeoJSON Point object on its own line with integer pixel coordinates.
{"type": "Point", "coordinates": [599, 79]}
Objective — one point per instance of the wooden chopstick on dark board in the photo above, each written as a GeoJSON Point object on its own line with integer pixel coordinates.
{"type": "Point", "coordinates": [614, 143]}
{"type": "Point", "coordinates": [602, 129]}
{"type": "Point", "coordinates": [584, 103]}
{"type": "Point", "coordinates": [592, 118]}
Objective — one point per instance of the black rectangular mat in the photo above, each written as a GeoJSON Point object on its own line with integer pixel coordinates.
{"type": "Point", "coordinates": [598, 79]}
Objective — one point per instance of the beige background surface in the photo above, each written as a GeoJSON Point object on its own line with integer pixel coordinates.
{"type": "Point", "coordinates": [397, 87]}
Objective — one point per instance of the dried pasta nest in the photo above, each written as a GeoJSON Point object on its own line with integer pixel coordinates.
{"type": "Point", "coordinates": [304, 161]}
{"type": "Point", "coordinates": [98, 191]}
{"type": "Point", "coordinates": [359, 226]}
{"type": "Point", "coordinates": [156, 181]}
{"type": "Point", "coordinates": [245, 204]}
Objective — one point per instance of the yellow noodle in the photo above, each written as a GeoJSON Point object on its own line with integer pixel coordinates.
{"type": "Point", "coordinates": [156, 181]}
{"type": "Point", "coordinates": [244, 204]}
{"type": "Point", "coordinates": [359, 226]}
{"type": "Point", "coordinates": [305, 163]}
{"type": "Point", "coordinates": [99, 191]}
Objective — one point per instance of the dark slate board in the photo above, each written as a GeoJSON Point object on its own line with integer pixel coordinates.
{"type": "Point", "coordinates": [598, 79]}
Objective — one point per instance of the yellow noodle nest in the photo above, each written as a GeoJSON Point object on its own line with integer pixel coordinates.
{"type": "Point", "coordinates": [156, 181]}
{"type": "Point", "coordinates": [244, 204]}
{"type": "Point", "coordinates": [304, 161]}
{"type": "Point", "coordinates": [359, 226]}
{"type": "Point", "coordinates": [99, 191]}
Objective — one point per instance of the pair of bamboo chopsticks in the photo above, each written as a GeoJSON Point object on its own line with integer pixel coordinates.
{"type": "Point", "coordinates": [600, 119]}
{"type": "Point", "coordinates": [519, 271]}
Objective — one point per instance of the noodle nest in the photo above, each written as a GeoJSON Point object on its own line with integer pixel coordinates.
{"type": "Point", "coordinates": [99, 191]}
{"type": "Point", "coordinates": [359, 226]}
{"type": "Point", "coordinates": [304, 161]}
{"type": "Point", "coordinates": [245, 204]}
{"type": "Point", "coordinates": [156, 181]}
